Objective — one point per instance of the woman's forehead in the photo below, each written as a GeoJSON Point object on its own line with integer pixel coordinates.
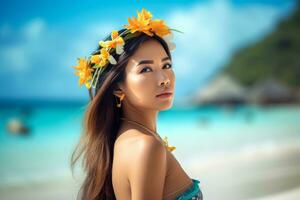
{"type": "Point", "coordinates": [149, 50]}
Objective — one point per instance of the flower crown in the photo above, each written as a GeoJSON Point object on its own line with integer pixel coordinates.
{"type": "Point", "coordinates": [89, 69]}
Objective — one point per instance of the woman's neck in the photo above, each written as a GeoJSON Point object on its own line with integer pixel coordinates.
{"type": "Point", "coordinates": [147, 118]}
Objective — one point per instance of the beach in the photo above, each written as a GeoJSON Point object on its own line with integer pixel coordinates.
{"type": "Point", "coordinates": [234, 157]}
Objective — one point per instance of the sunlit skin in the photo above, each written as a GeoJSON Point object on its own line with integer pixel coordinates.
{"type": "Point", "coordinates": [142, 167]}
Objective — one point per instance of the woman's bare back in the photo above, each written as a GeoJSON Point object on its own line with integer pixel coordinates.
{"type": "Point", "coordinates": [176, 181]}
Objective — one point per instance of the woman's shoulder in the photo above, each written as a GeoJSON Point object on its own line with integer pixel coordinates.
{"type": "Point", "coordinates": [136, 140]}
{"type": "Point", "coordinates": [134, 151]}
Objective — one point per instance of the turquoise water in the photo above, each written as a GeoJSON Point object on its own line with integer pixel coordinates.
{"type": "Point", "coordinates": [45, 153]}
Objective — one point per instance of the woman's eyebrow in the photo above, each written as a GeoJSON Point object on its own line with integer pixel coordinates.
{"type": "Point", "coordinates": [151, 61]}
{"type": "Point", "coordinates": [165, 58]}
{"type": "Point", "coordinates": [145, 62]}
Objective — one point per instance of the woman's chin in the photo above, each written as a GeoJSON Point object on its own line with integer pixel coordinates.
{"type": "Point", "coordinates": [166, 105]}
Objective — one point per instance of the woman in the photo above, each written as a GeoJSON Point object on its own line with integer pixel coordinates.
{"type": "Point", "coordinates": [124, 156]}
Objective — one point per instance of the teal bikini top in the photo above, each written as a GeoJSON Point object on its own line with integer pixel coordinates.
{"type": "Point", "coordinates": [192, 193]}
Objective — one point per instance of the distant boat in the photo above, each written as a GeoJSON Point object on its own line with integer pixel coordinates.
{"type": "Point", "coordinates": [17, 127]}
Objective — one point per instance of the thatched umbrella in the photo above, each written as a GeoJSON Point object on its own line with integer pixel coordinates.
{"type": "Point", "coordinates": [270, 91]}
{"type": "Point", "coordinates": [222, 90]}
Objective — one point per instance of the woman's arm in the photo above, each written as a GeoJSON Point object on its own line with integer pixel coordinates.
{"type": "Point", "coordinates": [147, 169]}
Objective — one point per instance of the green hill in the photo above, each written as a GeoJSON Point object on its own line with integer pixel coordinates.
{"type": "Point", "coordinates": [276, 56]}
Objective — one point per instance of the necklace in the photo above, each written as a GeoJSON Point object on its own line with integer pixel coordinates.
{"type": "Point", "coordinates": [165, 140]}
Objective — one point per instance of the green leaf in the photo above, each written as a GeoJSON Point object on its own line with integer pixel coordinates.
{"type": "Point", "coordinates": [176, 30]}
{"type": "Point", "coordinates": [135, 34]}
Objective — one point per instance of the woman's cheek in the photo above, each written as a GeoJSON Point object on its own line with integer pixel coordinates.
{"type": "Point", "coordinates": [172, 77]}
{"type": "Point", "coordinates": [139, 84]}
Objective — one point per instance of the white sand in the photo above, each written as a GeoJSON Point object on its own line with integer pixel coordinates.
{"type": "Point", "coordinates": [292, 194]}
{"type": "Point", "coordinates": [269, 170]}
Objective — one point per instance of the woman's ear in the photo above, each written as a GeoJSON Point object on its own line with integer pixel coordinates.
{"type": "Point", "coordinates": [118, 91]}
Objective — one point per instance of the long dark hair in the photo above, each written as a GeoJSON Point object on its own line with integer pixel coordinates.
{"type": "Point", "coordinates": [101, 123]}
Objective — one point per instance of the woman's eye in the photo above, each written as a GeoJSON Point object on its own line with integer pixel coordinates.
{"type": "Point", "coordinates": [168, 64]}
{"type": "Point", "coordinates": [143, 70]}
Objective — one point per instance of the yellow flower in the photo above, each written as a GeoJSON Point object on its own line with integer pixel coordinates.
{"type": "Point", "coordinates": [144, 23]}
{"type": "Point", "coordinates": [95, 59]}
{"type": "Point", "coordinates": [116, 42]}
{"type": "Point", "coordinates": [144, 15]}
{"type": "Point", "coordinates": [98, 60]}
{"type": "Point", "coordinates": [158, 26]}
{"type": "Point", "coordinates": [141, 23]}
{"type": "Point", "coordinates": [102, 58]}
{"type": "Point", "coordinates": [170, 148]}
{"type": "Point", "coordinates": [105, 56]}
{"type": "Point", "coordinates": [84, 72]}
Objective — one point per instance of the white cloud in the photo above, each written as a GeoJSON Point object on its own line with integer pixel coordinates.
{"type": "Point", "coordinates": [34, 29]}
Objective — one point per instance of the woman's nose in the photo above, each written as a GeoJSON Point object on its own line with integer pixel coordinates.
{"type": "Point", "coordinates": [164, 78]}
{"type": "Point", "coordinates": [165, 81]}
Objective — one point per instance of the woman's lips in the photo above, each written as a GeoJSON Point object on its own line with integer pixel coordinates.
{"type": "Point", "coordinates": [164, 95]}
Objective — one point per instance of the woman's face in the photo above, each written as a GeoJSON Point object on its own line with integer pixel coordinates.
{"type": "Point", "coordinates": [147, 69]}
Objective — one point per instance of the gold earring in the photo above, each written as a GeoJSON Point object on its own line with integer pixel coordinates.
{"type": "Point", "coordinates": [121, 98]}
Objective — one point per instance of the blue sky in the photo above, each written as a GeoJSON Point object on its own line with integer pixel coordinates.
{"type": "Point", "coordinates": [40, 40]}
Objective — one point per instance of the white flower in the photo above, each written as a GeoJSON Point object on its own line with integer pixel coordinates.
{"type": "Point", "coordinates": [119, 49]}
{"type": "Point", "coordinates": [169, 40]}
{"type": "Point", "coordinates": [112, 60]}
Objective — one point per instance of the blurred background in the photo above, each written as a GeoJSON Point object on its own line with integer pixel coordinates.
{"type": "Point", "coordinates": [236, 114]}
